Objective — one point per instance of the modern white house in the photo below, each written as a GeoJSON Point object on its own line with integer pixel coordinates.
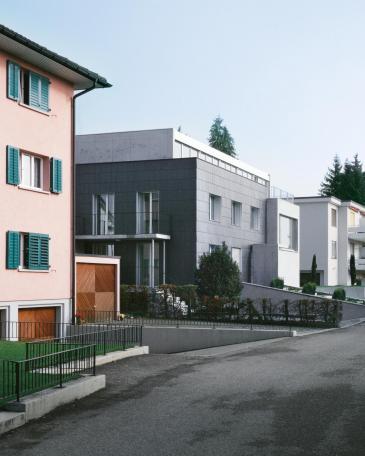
{"type": "Point", "coordinates": [333, 230]}
{"type": "Point", "coordinates": [160, 199]}
{"type": "Point", "coordinates": [279, 255]}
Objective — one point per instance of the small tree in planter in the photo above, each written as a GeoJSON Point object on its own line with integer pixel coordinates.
{"type": "Point", "coordinates": [314, 269]}
{"type": "Point", "coordinates": [218, 276]}
{"type": "Point", "coordinates": [352, 270]}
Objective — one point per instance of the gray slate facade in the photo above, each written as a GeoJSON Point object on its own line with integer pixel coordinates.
{"type": "Point", "coordinates": [105, 165]}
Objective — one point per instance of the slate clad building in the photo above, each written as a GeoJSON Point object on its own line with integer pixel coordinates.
{"type": "Point", "coordinates": [160, 199]}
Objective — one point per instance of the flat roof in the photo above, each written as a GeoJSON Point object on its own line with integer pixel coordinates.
{"type": "Point", "coordinates": [25, 49]}
{"type": "Point", "coordinates": [175, 136]}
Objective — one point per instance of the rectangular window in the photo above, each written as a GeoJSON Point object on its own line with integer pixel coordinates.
{"type": "Point", "coordinates": [214, 208]}
{"type": "Point", "coordinates": [255, 218]}
{"type": "Point", "coordinates": [28, 87]}
{"type": "Point", "coordinates": [34, 251]}
{"type": "Point", "coordinates": [103, 214]}
{"type": "Point", "coordinates": [288, 232]}
{"type": "Point", "coordinates": [148, 212]}
{"type": "Point", "coordinates": [146, 272]}
{"type": "Point", "coordinates": [236, 213]}
{"type": "Point", "coordinates": [333, 249]}
{"type": "Point", "coordinates": [213, 248]}
{"type": "Point", "coordinates": [237, 257]}
{"type": "Point", "coordinates": [31, 171]}
{"type": "Point", "coordinates": [333, 217]}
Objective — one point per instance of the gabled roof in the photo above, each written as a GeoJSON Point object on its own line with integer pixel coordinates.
{"type": "Point", "coordinates": [31, 52]}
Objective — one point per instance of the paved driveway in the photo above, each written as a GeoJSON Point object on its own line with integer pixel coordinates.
{"type": "Point", "coordinates": [297, 396]}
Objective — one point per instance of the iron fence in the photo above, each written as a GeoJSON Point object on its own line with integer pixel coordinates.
{"type": "Point", "coordinates": [104, 340]}
{"type": "Point", "coordinates": [20, 378]}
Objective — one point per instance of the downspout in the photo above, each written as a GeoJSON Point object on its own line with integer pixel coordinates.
{"type": "Point", "coordinates": [73, 197]}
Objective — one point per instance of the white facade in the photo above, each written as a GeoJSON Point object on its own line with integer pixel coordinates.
{"type": "Point", "coordinates": [279, 256]}
{"type": "Point", "coordinates": [332, 230]}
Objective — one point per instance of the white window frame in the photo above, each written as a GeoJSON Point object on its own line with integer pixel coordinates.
{"type": "Point", "coordinates": [333, 250]}
{"type": "Point", "coordinates": [293, 233]}
{"type": "Point", "coordinates": [213, 247]}
{"type": "Point", "coordinates": [215, 202]}
{"type": "Point", "coordinates": [333, 218]}
{"type": "Point", "coordinates": [95, 221]}
{"type": "Point", "coordinates": [234, 205]}
{"type": "Point", "coordinates": [239, 263]}
{"type": "Point", "coordinates": [255, 222]}
{"type": "Point", "coordinates": [32, 174]}
{"type": "Point", "coordinates": [150, 212]}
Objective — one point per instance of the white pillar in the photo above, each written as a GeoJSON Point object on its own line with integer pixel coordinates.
{"type": "Point", "coordinates": [152, 275]}
{"type": "Point", "coordinates": [164, 262]}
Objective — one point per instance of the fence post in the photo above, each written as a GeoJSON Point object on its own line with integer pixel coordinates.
{"type": "Point", "coordinates": [140, 336]}
{"type": "Point", "coordinates": [60, 373]}
{"type": "Point", "coordinates": [123, 338]}
{"type": "Point", "coordinates": [94, 359]}
{"type": "Point", "coordinates": [104, 342]}
{"type": "Point", "coordinates": [17, 381]}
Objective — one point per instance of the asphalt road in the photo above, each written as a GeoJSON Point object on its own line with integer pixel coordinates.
{"type": "Point", "coordinates": [298, 396]}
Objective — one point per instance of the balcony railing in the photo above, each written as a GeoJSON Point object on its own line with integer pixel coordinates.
{"type": "Point", "coordinates": [127, 223]}
{"type": "Point", "coordinates": [276, 192]}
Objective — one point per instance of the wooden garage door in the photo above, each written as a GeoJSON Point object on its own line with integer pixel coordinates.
{"type": "Point", "coordinates": [95, 290]}
{"type": "Point", "coordinates": [37, 323]}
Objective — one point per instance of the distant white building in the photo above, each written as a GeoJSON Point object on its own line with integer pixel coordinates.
{"type": "Point", "coordinates": [332, 230]}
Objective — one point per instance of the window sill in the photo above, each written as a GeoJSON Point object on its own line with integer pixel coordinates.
{"type": "Point", "coordinates": [42, 271]}
{"type": "Point", "coordinates": [32, 108]}
{"type": "Point", "coordinates": [33, 189]}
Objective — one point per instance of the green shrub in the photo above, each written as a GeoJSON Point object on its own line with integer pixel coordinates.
{"type": "Point", "coordinates": [339, 294]}
{"type": "Point", "coordinates": [277, 282]}
{"type": "Point", "coordinates": [309, 288]}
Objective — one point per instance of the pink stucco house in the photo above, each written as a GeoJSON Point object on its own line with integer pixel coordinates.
{"type": "Point", "coordinates": [37, 101]}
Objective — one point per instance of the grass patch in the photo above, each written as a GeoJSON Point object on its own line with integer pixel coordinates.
{"type": "Point", "coordinates": [13, 351]}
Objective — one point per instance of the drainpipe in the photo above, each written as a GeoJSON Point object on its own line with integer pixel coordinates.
{"type": "Point", "coordinates": [73, 197]}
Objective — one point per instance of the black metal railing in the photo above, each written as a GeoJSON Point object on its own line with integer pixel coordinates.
{"type": "Point", "coordinates": [20, 378]}
{"type": "Point", "coordinates": [105, 340]}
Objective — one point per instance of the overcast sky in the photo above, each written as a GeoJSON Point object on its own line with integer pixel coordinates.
{"type": "Point", "coordinates": [287, 76]}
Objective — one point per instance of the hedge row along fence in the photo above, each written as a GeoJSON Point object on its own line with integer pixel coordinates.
{"type": "Point", "coordinates": [182, 302]}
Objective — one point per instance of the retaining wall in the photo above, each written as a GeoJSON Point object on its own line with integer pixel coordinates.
{"type": "Point", "coordinates": [174, 340]}
{"type": "Point", "coordinates": [350, 311]}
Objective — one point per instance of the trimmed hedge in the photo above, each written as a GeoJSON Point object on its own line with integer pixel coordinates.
{"type": "Point", "coordinates": [309, 288]}
{"type": "Point", "coordinates": [339, 293]}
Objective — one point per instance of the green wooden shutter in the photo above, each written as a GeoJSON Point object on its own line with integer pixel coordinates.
{"type": "Point", "coordinates": [56, 175]}
{"type": "Point", "coordinates": [12, 249]}
{"type": "Point", "coordinates": [12, 171]}
{"type": "Point", "coordinates": [34, 90]}
{"type": "Point", "coordinates": [36, 252]}
{"type": "Point", "coordinates": [44, 96]}
{"type": "Point", "coordinates": [38, 91]}
{"type": "Point", "coordinates": [13, 81]}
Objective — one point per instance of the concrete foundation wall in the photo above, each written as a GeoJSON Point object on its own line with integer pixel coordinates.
{"type": "Point", "coordinates": [175, 340]}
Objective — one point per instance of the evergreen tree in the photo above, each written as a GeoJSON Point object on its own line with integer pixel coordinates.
{"type": "Point", "coordinates": [352, 269]}
{"type": "Point", "coordinates": [218, 275]}
{"type": "Point", "coordinates": [331, 185]}
{"type": "Point", "coordinates": [347, 182]}
{"type": "Point", "coordinates": [220, 138]}
{"type": "Point", "coordinates": [314, 269]}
